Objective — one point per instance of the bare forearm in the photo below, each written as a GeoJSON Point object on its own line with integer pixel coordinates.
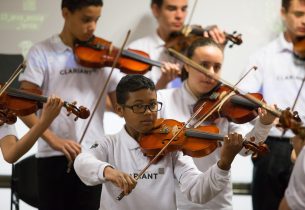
{"type": "Point", "coordinates": [32, 121]}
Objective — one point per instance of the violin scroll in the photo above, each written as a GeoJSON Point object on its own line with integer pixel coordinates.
{"type": "Point", "coordinates": [291, 120]}
{"type": "Point", "coordinates": [180, 41]}
{"type": "Point", "coordinates": [257, 149]}
{"type": "Point", "coordinates": [7, 117]}
{"type": "Point", "coordinates": [81, 112]}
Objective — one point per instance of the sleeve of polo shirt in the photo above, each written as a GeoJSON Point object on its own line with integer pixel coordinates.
{"type": "Point", "coordinates": [199, 187]}
{"type": "Point", "coordinates": [7, 130]}
{"type": "Point", "coordinates": [89, 165]}
{"type": "Point", "coordinates": [35, 66]}
{"type": "Point", "coordinates": [295, 192]}
{"type": "Point", "coordinates": [259, 132]}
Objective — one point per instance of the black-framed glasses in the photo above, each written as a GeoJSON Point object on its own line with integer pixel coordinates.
{"type": "Point", "coordinates": [141, 108]}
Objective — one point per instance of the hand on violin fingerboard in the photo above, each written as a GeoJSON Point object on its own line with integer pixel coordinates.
{"type": "Point", "coordinates": [233, 143]}
{"type": "Point", "coordinates": [216, 34]}
{"type": "Point", "coordinates": [266, 117]}
{"type": "Point", "coordinates": [170, 71]}
{"type": "Point", "coordinates": [120, 179]}
{"type": "Point", "coordinates": [51, 109]}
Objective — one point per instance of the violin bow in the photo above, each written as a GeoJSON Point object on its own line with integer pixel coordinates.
{"type": "Point", "coordinates": [19, 69]}
{"type": "Point", "coordinates": [200, 68]}
{"type": "Point", "coordinates": [192, 13]}
{"type": "Point", "coordinates": [295, 102]}
{"type": "Point", "coordinates": [298, 95]}
{"type": "Point", "coordinates": [294, 121]}
{"type": "Point", "coordinates": [101, 94]}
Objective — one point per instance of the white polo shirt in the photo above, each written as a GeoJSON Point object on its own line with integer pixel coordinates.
{"type": "Point", "coordinates": [278, 77]}
{"type": "Point", "coordinates": [156, 188]}
{"type": "Point", "coordinates": [295, 192]}
{"type": "Point", "coordinates": [154, 46]}
{"type": "Point", "coordinates": [51, 66]}
{"type": "Point", "coordinates": [6, 130]}
{"type": "Point", "coordinates": [178, 104]}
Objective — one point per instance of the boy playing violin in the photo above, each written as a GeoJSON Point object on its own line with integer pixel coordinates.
{"type": "Point", "coordinates": [12, 148]}
{"type": "Point", "coordinates": [117, 159]}
{"type": "Point", "coordinates": [52, 68]}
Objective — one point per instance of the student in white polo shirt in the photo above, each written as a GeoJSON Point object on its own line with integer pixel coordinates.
{"type": "Point", "coordinates": [278, 77]}
{"type": "Point", "coordinates": [51, 66]}
{"type": "Point", "coordinates": [12, 148]}
{"type": "Point", "coordinates": [295, 192]}
{"type": "Point", "coordinates": [179, 104]}
{"type": "Point", "coordinates": [118, 158]}
{"type": "Point", "coordinates": [170, 16]}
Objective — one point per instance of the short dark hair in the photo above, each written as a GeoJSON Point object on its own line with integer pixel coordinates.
{"type": "Point", "coordinates": [132, 83]}
{"type": "Point", "coordinates": [200, 42]}
{"type": "Point", "coordinates": [73, 5]}
{"type": "Point", "coordinates": [286, 4]}
{"type": "Point", "coordinates": [157, 2]}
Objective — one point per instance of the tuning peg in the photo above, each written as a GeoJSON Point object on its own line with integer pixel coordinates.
{"type": "Point", "coordinates": [69, 108]}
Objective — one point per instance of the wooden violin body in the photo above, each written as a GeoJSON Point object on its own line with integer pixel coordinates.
{"type": "Point", "coordinates": [236, 108]}
{"type": "Point", "coordinates": [153, 142]}
{"type": "Point", "coordinates": [180, 41]}
{"type": "Point", "coordinates": [98, 52]}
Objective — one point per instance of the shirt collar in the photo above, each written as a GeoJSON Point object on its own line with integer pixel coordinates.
{"type": "Point", "coordinates": [159, 42]}
{"type": "Point", "coordinates": [58, 45]}
{"type": "Point", "coordinates": [130, 142]}
{"type": "Point", "coordinates": [188, 96]}
{"type": "Point", "coordinates": [283, 45]}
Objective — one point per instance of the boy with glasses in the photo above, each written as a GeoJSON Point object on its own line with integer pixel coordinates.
{"type": "Point", "coordinates": [118, 158]}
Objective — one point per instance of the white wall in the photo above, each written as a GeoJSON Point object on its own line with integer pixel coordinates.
{"type": "Point", "coordinates": [24, 22]}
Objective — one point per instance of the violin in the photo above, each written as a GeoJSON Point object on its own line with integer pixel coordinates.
{"type": "Point", "coordinates": [195, 142]}
{"type": "Point", "coordinates": [181, 40]}
{"type": "Point", "coordinates": [236, 108]}
{"type": "Point", "coordinates": [16, 102]}
{"type": "Point", "coordinates": [98, 52]}
{"type": "Point", "coordinates": [288, 120]}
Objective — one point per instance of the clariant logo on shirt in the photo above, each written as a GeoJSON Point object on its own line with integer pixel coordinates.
{"type": "Point", "coordinates": [148, 175]}
{"type": "Point", "coordinates": [77, 71]}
